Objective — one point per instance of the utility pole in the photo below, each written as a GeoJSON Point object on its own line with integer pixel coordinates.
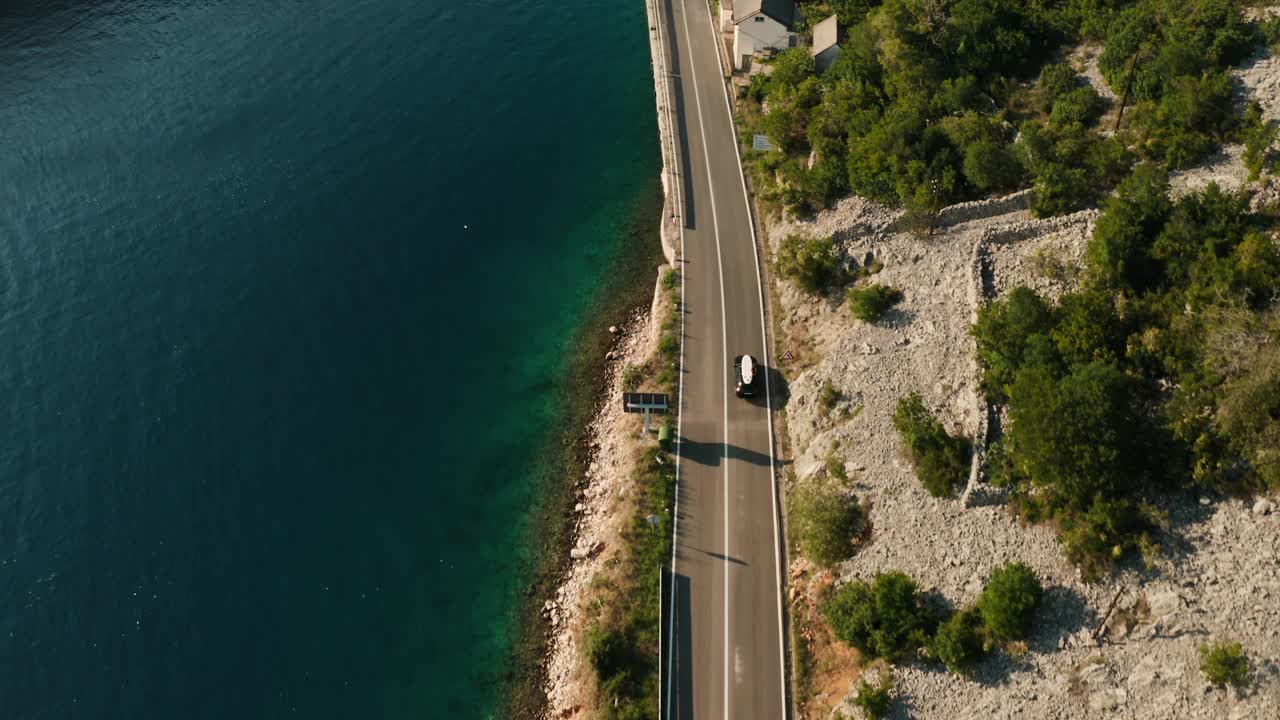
{"type": "Point", "coordinates": [1128, 85]}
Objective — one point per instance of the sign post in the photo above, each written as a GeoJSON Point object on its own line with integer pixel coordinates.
{"type": "Point", "coordinates": [646, 403]}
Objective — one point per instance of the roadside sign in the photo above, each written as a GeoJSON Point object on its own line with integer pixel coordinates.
{"type": "Point", "coordinates": [787, 356]}
{"type": "Point", "coordinates": [646, 403]}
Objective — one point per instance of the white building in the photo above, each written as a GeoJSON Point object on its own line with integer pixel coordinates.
{"type": "Point", "coordinates": [826, 47]}
{"type": "Point", "coordinates": [760, 25]}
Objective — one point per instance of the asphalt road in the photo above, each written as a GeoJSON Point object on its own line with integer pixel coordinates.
{"type": "Point", "coordinates": [725, 654]}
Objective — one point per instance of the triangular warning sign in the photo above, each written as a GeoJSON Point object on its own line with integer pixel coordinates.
{"type": "Point", "coordinates": [787, 357]}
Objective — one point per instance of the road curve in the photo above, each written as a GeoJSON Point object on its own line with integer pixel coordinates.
{"type": "Point", "coordinates": [725, 652]}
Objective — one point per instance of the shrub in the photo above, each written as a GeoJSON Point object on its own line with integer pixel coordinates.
{"type": "Point", "coordinates": [1081, 105]}
{"type": "Point", "coordinates": [1225, 663]}
{"type": "Point", "coordinates": [942, 461]}
{"type": "Point", "coordinates": [989, 165]}
{"type": "Point", "coordinates": [607, 654]}
{"type": "Point", "coordinates": [882, 619]}
{"type": "Point", "coordinates": [959, 643]}
{"type": "Point", "coordinates": [809, 262]}
{"type": "Point", "coordinates": [1119, 251]}
{"type": "Point", "coordinates": [1259, 136]}
{"type": "Point", "coordinates": [632, 376]}
{"type": "Point", "coordinates": [870, 302]}
{"type": "Point", "coordinates": [1096, 538]}
{"type": "Point", "coordinates": [874, 700]}
{"type": "Point", "coordinates": [1009, 601]}
{"type": "Point", "coordinates": [671, 280]}
{"type": "Point", "coordinates": [828, 396]}
{"type": "Point", "coordinates": [826, 519]}
{"type": "Point", "coordinates": [1056, 80]}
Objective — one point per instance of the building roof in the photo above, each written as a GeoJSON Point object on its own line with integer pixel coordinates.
{"type": "Point", "coordinates": [825, 35]}
{"type": "Point", "coordinates": [781, 10]}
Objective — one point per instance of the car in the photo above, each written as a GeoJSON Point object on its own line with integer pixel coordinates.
{"type": "Point", "coordinates": [748, 372]}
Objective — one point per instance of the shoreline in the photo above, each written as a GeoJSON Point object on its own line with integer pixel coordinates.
{"type": "Point", "coordinates": [553, 529]}
{"type": "Point", "coordinates": [611, 445]}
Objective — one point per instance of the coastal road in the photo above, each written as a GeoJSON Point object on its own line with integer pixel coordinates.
{"type": "Point", "coordinates": [725, 658]}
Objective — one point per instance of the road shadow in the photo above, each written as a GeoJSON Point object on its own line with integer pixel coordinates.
{"type": "Point", "coordinates": [679, 700]}
{"type": "Point", "coordinates": [682, 128]}
{"type": "Point", "coordinates": [711, 453]}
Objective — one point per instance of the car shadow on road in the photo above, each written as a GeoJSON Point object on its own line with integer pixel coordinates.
{"type": "Point", "coordinates": [711, 453]}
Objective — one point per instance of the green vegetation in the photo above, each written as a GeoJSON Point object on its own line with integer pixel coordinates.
{"type": "Point", "coordinates": [828, 396]}
{"type": "Point", "coordinates": [941, 461]}
{"type": "Point", "coordinates": [886, 618]}
{"type": "Point", "coordinates": [825, 517]}
{"type": "Point", "coordinates": [929, 97]}
{"type": "Point", "coordinates": [870, 302]}
{"type": "Point", "coordinates": [1009, 602]}
{"type": "Point", "coordinates": [622, 645]}
{"type": "Point", "coordinates": [669, 333]}
{"type": "Point", "coordinates": [960, 642]}
{"type": "Point", "coordinates": [1225, 663]}
{"type": "Point", "coordinates": [1162, 369]}
{"type": "Point", "coordinates": [874, 699]}
{"type": "Point", "coordinates": [632, 376]}
{"type": "Point", "coordinates": [810, 263]}
{"type": "Point", "coordinates": [882, 619]}
{"type": "Point", "coordinates": [1259, 135]}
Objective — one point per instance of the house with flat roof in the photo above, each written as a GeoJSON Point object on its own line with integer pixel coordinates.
{"type": "Point", "coordinates": [761, 25]}
{"type": "Point", "coordinates": [826, 44]}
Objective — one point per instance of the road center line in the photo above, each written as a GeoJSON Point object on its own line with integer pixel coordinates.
{"type": "Point", "coordinates": [768, 394]}
{"type": "Point", "coordinates": [724, 346]}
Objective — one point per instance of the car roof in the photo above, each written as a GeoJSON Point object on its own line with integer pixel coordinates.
{"type": "Point", "coordinates": [748, 368]}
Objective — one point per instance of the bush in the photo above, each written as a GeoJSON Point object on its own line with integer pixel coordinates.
{"type": "Point", "coordinates": [1119, 252]}
{"type": "Point", "coordinates": [989, 165]}
{"type": "Point", "coordinates": [883, 619]}
{"type": "Point", "coordinates": [632, 376]}
{"type": "Point", "coordinates": [941, 461]}
{"type": "Point", "coordinates": [826, 519]}
{"type": "Point", "coordinates": [1096, 538]}
{"type": "Point", "coordinates": [1259, 136]}
{"type": "Point", "coordinates": [809, 262]}
{"type": "Point", "coordinates": [671, 280]}
{"type": "Point", "coordinates": [1008, 603]}
{"type": "Point", "coordinates": [828, 396]}
{"type": "Point", "coordinates": [607, 653]}
{"type": "Point", "coordinates": [959, 643]}
{"type": "Point", "coordinates": [1081, 105]}
{"type": "Point", "coordinates": [870, 302]}
{"type": "Point", "coordinates": [874, 700]}
{"type": "Point", "coordinates": [1225, 663]}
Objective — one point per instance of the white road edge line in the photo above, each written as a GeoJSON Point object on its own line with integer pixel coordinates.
{"type": "Point", "coordinates": [677, 192]}
{"type": "Point", "coordinates": [768, 395]}
{"type": "Point", "coordinates": [724, 348]}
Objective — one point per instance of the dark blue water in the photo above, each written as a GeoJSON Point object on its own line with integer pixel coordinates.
{"type": "Point", "coordinates": [288, 292]}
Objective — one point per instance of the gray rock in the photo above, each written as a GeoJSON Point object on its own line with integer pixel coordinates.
{"type": "Point", "coordinates": [1263, 507]}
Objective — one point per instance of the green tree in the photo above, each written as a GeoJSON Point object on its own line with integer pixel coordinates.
{"type": "Point", "coordinates": [990, 165]}
{"type": "Point", "coordinates": [1119, 252]}
{"type": "Point", "coordinates": [1005, 333]}
{"type": "Point", "coordinates": [1009, 601]}
{"type": "Point", "coordinates": [959, 642]}
{"type": "Point", "coordinates": [1074, 437]}
{"type": "Point", "coordinates": [882, 619]}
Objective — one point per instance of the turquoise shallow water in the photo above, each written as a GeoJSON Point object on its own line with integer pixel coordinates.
{"type": "Point", "coordinates": [288, 294]}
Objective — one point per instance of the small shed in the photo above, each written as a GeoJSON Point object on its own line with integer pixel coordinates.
{"type": "Point", "coordinates": [826, 44]}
